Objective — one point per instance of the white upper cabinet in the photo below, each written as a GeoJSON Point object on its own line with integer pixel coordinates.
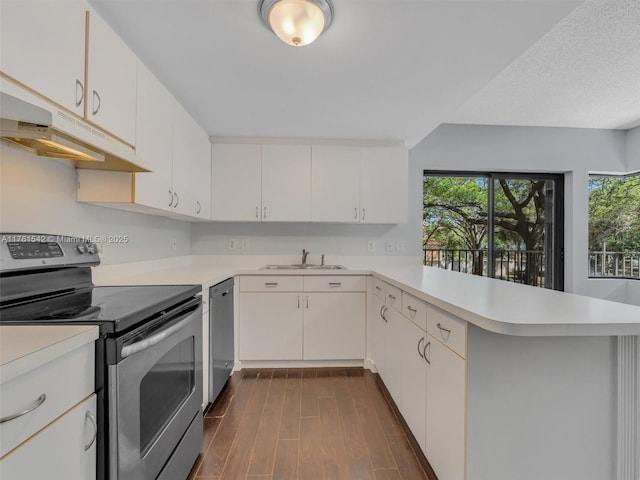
{"type": "Point", "coordinates": [383, 185]}
{"type": "Point", "coordinates": [236, 182]}
{"type": "Point", "coordinates": [335, 183]}
{"type": "Point", "coordinates": [111, 86]}
{"type": "Point", "coordinates": [286, 183]}
{"type": "Point", "coordinates": [191, 166]}
{"type": "Point", "coordinates": [42, 47]}
{"type": "Point", "coordinates": [154, 127]}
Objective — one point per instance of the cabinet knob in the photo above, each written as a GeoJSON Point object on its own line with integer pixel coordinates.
{"type": "Point", "coordinates": [355, 213]}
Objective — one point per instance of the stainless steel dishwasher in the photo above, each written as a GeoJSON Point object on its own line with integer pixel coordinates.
{"type": "Point", "coordinates": [220, 336]}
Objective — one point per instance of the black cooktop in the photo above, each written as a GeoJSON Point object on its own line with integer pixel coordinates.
{"type": "Point", "coordinates": [114, 309]}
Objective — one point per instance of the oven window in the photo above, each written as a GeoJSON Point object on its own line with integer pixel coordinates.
{"type": "Point", "coordinates": [164, 389]}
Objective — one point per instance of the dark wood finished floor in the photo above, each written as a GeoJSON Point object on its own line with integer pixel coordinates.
{"type": "Point", "coordinates": [306, 424]}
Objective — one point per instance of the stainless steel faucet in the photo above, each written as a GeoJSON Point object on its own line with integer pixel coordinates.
{"type": "Point", "coordinates": [305, 254]}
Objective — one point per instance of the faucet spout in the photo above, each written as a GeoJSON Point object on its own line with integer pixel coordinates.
{"type": "Point", "coordinates": [305, 254]}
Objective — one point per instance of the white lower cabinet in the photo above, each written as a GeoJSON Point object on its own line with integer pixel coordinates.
{"type": "Point", "coordinates": [445, 418]}
{"type": "Point", "coordinates": [334, 326]}
{"type": "Point", "coordinates": [65, 449]}
{"type": "Point", "coordinates": [270, 326]}
{"type": "Point", "coordinates": [286, 318]}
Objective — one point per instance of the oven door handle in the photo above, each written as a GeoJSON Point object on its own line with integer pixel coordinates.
{"type": "Point", "coordinates": [149, 342]}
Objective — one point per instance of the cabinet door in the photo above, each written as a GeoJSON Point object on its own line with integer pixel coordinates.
{"type": "Point", "coordinates": [184, 169]}
{"type": "Point", "coordinates": [335, 184]}
{"type": "Point", "coordinates": [236, 183]}
{"type": "Point", "coordinates": [393, 365]}
{"type": "Point", "coordinates": [111, 93]}
{"type": "Point", "coordinates": [65, 449]}
{"type": "Point", "coordinates": [201, 181]}
{"type": "Point", "coordinates": [376, 330]}
{"type": "Point", "coordinates": [445, 424]}
{"type": "Point", "coordinates": [334, 326]}
{"type": "Point", "coordinates": [154, 141]}
{"type": "Point", "coordinates": [383, 185]}
{"type": "Point", "coordinates": [42, 46]}
{"type": "Point", "coordinates": [286, 183]}
{"type": "Point", "coordinates": [270, 326]}
{"type": "Point", "coordinates": [414, 378]}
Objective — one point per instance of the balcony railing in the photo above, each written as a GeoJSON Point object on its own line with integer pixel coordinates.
{"type": "Point", "coordinates": [528, 267]}
{"type": "Point", "coordinates": [614, 265]}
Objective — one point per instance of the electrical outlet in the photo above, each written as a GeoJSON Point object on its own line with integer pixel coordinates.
{"type": "Point", "coordinates": [371, 246]}
{"type": "Point", "coordinates": [244, 244]}
{"type": "Point", "coordinates": [232, 244]}
{"type": "Point", "coordinates": [400, 246]}
{"type": "Point", "coordinates": [390, 246]}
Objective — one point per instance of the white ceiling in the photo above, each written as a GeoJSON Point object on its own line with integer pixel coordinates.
{"type": "Point", "coordinates": [584, 73]}
{"type": "Point", "coordinates": [385, 69]}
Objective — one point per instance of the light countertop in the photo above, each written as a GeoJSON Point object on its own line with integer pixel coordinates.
{"type": "Point", "coordinates": [25, 347]}
{"type": "Point", "coordinates": [494, 305]}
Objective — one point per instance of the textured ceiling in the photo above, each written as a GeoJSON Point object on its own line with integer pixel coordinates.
{"type": "Point", "coordinates": [385, 69]}
{"type": "Point", "coordinates": [584, 73]}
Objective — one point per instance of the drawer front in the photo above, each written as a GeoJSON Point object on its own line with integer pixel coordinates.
{"type": "Point", "coordinates": [271, 283]}
{"type": "Point", "coordinates": [393, 297]}
{"type": "Point", "coordinates": [379, 288]}
{"type": "Point", "coordinates": [62, 383]}
{"type": "Point", "coordinates": [415, 310]}
{"type": "Point", "coordinates": [333, 283]}
{"type": "Point", "coordinates": [450, 330]}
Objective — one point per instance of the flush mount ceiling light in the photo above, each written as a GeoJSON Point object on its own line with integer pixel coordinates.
{"type": "Point", "coordinates": [296, 22]}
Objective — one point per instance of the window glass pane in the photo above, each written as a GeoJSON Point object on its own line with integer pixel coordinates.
{"type": "Point", "coordinates": [614, 227]}
{"type": "Point", "coordinates": [455, 223]}
{"type": "Point", "coordinates": [164, 389]}
{"type": "Point", "coordinates": [523, 238]}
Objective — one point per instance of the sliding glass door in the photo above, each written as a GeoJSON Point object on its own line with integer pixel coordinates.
{"type": "Point", "coordinates": [502, 225]}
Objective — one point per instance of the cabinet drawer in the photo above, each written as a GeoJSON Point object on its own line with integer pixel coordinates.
{"type": "Point", "coordinates": [450, 330]}
{"type": "Point", "coordinates": [270, 283]}
{"type": "Point", "coordinates": [62, 383]}
{"type": "Point", "coordinates": [379, 289]}
{"type": "Point", "coordinates": [65, 449]}
{"type": "Point", "coordinates": [393, 297]}
{"type": "Point", "coordinates": [415, 310]}
{"type": "Point", "coordinates": [331, 283]}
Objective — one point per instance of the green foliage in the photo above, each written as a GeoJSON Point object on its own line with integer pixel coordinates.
{"type": "Point", "coordinates": [614, 214]}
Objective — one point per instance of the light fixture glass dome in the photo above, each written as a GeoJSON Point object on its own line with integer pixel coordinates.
{"type": "Point", "coordinates": [297, 22]}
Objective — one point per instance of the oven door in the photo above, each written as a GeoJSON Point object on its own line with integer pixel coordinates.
{"type": "Point", "coordinates": [155, 390]}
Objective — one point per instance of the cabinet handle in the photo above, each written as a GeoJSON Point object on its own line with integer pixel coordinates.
{"type": "Point", "coordinates": [335, 284]}
{"type": "Point", "coordinates": [378, 288]}
{"type": "Point", "coordinates": [90, 416]}
{"type": "Point", "coordinates": [412, 310]}
{"type": "Point", "coordinates": [383, 310]}
{"type": "Point", "coordinates": [270, 284]}
{"type": "Point", "coordinates": [420, 351]}
{"type": "Point", "coordinates": [257, 211]}
{"type": "Point", "coordinates": [79, 88]}
{"type": "Point", "coordinates": [199, 207]}
{"type": "Point", "coordinates": [392, 297]}
{"type": "Point", "coordinates": [177, 200]}
{"type": "Point", "coordinates": [355, 213]}
{"type": "Point", "coordinates": [307, 302]}
{"type": "Point", "coordinates": [364, 213]}
{"type": "Point", "coordinates": [424, 352]}
{"type": "Point", "coordinates": [264, 213]}
{"type": "Point", "coordinates": [442, 329]}
{"type": "Point", "coordinates": [298, 302]}
{"type": "Point", "coordinates": [96, 109]}
{"type": "Point", "coordinates": [40, 400]}
{"type": "Point", "coordinates": [170, 198]}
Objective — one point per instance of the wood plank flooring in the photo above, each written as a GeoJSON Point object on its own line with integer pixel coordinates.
{"type": "Point", "coordinates": [304, 424]}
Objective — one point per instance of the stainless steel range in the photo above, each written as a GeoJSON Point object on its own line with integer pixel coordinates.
{"type": "Point", "coordinates": [148, 355]}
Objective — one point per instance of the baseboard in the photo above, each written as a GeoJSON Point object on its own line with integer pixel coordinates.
{"type": "Point", "coordinates": [296, 364]}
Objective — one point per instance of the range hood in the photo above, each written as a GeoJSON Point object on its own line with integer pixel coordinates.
{"type": "Point", "coordinates": [62, 136]}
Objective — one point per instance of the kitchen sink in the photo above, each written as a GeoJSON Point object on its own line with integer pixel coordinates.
{"type": "Point", "coordinates": [299, 266]}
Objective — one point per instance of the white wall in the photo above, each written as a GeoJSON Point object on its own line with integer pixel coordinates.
{"type": "Point", "coordinates": [633, 150]}
{"type": "Point", "coordinates": [37, 195]}
{"type": "Point", "coordinates": [574, 152]}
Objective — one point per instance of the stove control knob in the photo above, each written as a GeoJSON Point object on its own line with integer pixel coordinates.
{"type": "Point", "coordinates": [92, 248]}
{"type": "Point", "coordinates": [81, 248]}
